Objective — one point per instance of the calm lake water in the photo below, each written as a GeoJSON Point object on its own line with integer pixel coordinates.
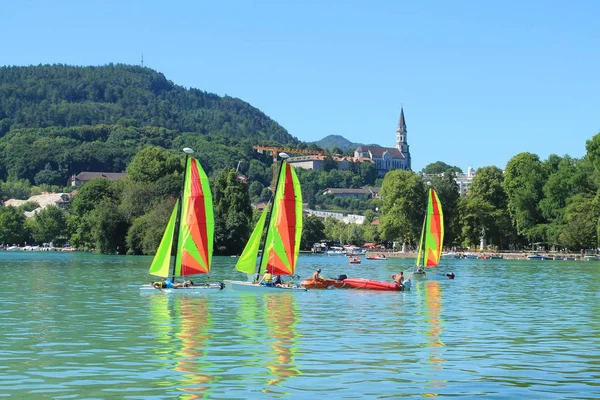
{"type": "Point", "coordinates": [75, 326]}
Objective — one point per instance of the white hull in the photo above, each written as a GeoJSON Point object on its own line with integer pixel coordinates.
{"type": "Point", "coordinates": [211, 287]}
{"type": "Point", "coordinates": [419, 276]}
{"type": "Point", "coordinates": [451, 255]}
{"type": "Point", "coordinates": [255, 287]}
{"type": "Point", "coordinates": [429, 276]}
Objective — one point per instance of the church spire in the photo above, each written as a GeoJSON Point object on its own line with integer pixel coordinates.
{"type": "Point", "coordinates": [401, 122]}
{"type": "Point", "coordinates": [402, 139]}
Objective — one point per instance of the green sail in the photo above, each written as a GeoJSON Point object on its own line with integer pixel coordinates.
{"type": "Point", "coordinates": [282, 243]}
{"type": "Point", "coordinates": [247, 261]}
{"type": "Point", "coordinates": [196, 225]}
{"type": "Point", "coordinates": [162, 260]}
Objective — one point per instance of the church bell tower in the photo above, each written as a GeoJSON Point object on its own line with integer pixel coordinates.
{"type": "Point", "coordinates": [401, 139]}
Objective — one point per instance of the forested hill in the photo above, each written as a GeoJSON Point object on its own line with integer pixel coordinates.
{"type": "Point", "coordinates": [332, 142]}
{"type": "Point", "coordinates": [66, 119]}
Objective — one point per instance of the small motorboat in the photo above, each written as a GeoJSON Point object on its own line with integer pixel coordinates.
{"type": "Point", "coordinates": [354, 260]}
{"type": "Point", "coordinates": [377, 257]}
{"type": "Point", "coordinates": [451, 255]}
{"type": "Point", "coordinates": [536, 256]}
{"type": "Point", "coordinates": [324, 284]}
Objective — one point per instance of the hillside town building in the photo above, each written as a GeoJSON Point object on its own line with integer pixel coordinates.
{"type": "Point", "coordinates": [361, 193]}
{"type": "Point", "coordinates": [384, 158]}
{"type": "Point", "coordinates": [463, 181]}
{"type": "Point", "coordinates": [389, 158]}
{"type": "Point", "coordinates": [84, 177]}
{"type": "Point", "coordinates": [61, 200]}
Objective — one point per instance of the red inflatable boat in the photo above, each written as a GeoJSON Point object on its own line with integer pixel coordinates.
{"type": "Point", "coordinates": [324, 284]}
{"type": "Point", "coordinates": [369, 284]}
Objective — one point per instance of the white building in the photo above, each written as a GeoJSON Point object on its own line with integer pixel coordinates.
{"type": "Point", "coordinates": [463, 181]}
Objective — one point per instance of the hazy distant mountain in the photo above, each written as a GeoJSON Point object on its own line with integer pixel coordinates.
{"type": "Point", "coordinates": [331, 141]}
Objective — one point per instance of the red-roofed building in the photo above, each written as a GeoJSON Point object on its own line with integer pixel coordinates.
{"type": "Point", "coordinates": [84, 177]}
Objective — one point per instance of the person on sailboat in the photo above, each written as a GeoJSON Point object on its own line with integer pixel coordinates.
{"type": "Point", "coordinates": [267, 279]}
{"type": "Point", "coordinates": [165, 283]}
{"type": "Point", "coordinates": [316, 277]}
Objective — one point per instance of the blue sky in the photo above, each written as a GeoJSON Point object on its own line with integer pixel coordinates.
{"type": "Point", "coordinates": [480, 81]}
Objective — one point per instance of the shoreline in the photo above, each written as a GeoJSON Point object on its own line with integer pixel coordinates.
{"type": "Point", "coordinates": [493, 255]}
{"type": "Point", "coordinates": [487, 255]}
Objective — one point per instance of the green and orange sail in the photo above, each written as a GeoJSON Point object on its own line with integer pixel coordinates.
{"type": "Point", "coordinates": [195, 231]}
{"type": "Point", "coordinates": [432, 235]}
{"type": "Point", "coordinates": [282, 243]}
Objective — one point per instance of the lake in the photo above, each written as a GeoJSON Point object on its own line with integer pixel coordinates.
{"type": "Point", "coordinates": [75, 326]}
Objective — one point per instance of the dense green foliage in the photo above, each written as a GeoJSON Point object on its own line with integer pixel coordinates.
{"type": "Point", "coordinates": [337, 141]}
{"type": "Point", "coordinates": [57, 121]}
{"type": "Point", "coordinates": [440, 167]}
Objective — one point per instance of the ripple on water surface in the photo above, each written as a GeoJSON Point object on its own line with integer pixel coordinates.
{"type": "Point", "coordinates": [75, 326]}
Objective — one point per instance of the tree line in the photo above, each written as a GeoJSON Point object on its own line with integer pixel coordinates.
{"type": "Point", "coordinates": [57, 121]}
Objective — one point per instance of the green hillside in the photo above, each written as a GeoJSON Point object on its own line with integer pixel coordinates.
{"type": "Point", "coordinates": [332, 141]}
{"type": "Point", "coordinates": [64, 119]}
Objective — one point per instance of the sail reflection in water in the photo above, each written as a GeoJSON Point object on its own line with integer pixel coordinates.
{"type": "Point", "coordinates": [195, 326]}
{"type": "Point", "coordinates": [433, 309]}
{"type": "Point", "coordinates": [282, 318]}
{"type": "Point", "coordinates": [181, 326]}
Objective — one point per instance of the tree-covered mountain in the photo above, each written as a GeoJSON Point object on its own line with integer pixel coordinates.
{"type": "Point", "coordinates": [61, 120]}
{"type": "Point", "coordinates": [333, 141]}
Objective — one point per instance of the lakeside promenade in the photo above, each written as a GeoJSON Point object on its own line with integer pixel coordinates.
{"type": "Point", "coordinates": [483, 255]}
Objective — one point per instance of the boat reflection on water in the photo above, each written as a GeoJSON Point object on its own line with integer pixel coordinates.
{"type": "Point", "coordinates": [433, 306]}
{"type": "Point", "coordinates": [181, 327]}
{"type": "Point", "coordinates": [195, 326]}
{"type": "Point", "coordinates": [433, 301]}
{"type": "Point", "coordinates": [282, 318]}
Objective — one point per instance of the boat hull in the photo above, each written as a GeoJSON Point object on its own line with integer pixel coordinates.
{"type": "Point", "coordinates": [255, 287]}
{"type": "Point", "coordinates": [376, 258]}
{"type": "Point", "coordinates": [451, 255]}
{"type": "Point", "coordinates": [211, 287]}
{"type": "Point", "coordinates": [431, 276]}
{"type": "Point", "coordinates": [370, 284]}
{"type": "Point", "coordinates": [325, 284]}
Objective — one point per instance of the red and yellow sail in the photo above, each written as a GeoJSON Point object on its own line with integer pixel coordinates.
{"type": "Point", "coordinates": [196, 228]}
{"type": "Point", "coordinates": [282, 244]}
{"type": "Point", "coordinates": [196, 231]}
{"type": "Point", "coordinates": [432, 236]}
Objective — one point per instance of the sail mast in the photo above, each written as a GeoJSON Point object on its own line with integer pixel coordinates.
{"type": "Point", "coordinates": [421, 243]}
{"type": "Point", "coordinates": [262, 254]}
{"type": "Point", "coordinates": [187, 152]}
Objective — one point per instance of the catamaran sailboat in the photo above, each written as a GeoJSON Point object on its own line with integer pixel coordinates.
{"type": "Point", "coordinates": [191, 231]}
{"type": "Point", "coordinates": [282, 239]}
{"type": "Point", "coordinates": [432, 237]}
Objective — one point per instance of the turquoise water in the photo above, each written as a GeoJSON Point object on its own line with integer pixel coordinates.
{"type": "Point", "coordinates": [75, 326]}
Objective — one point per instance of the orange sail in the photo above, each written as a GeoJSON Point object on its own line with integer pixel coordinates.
{"type": "Point", "coordinates": [432, 235]}
{"type": "Point", "coordinates": [195, 231]}
{"type": "Point", "coordinates": [282, 244]}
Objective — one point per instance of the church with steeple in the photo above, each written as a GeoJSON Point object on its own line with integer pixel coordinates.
{"type": "Point", "coordinates": [389, 158]}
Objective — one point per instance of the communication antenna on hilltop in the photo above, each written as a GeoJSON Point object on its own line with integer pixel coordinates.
{"type": "Point", "coordinates": [142, 60]}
